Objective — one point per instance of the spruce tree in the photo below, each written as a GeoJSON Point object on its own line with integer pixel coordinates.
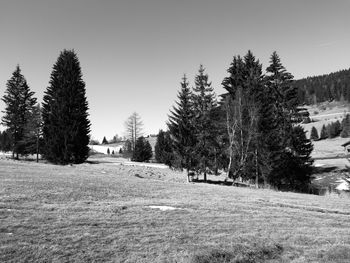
{"type": "Point", "coordinates": [181, 128]}
{"type": "Point", "coordinates": [32, 140]}
{"type": "Point", "coordinates": [246, 110]}
{"type": "Point", "coordinates": [163, 150]}
{"type": "Point", "coordinates": [337, 128]}
{"type": "Point", "coordinates": [5, 141]}
{"type": "Point", "coordinates": [143, 150]}
{"type": "Point", "coordinates": [104, 141]}
{"type": "Point", "coordinates": [66, 125]}
{"type": "Point", "coordinates": [204, 102]}
{"type": "Point", "coordinates": [345, 127]}
{"type": "Point", "coordinates": [314, 134]}
{"type": "Point", "coordinates": [19, 103]}
{"type": "Point", "coordinates": [285, 159]}
{"type": "Point", "coordinates": [324, 133]}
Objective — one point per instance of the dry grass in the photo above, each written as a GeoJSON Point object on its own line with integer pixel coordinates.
{"type": "Point", "coordinates": [99, 212]}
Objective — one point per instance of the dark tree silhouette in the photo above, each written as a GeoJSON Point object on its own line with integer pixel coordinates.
{"type": "Point", "coordinates": [181, 129]}
{"type": "Point", "coordinates": [19, 103]}
{"type": "Point", "coordinates": [66, 126]}
{"type": "Point", "coordinates": [143, 150]}
{"type": "Point", "coordinates": [314, 134]}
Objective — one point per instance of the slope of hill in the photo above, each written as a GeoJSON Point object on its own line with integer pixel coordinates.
{"type": "Point", "coordinates": [110, 213]}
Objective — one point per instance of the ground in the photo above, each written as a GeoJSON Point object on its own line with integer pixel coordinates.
{"type": "Point", "coordinates": [100, 212]}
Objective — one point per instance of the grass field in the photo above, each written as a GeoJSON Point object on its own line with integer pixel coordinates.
{"type": "Point", "coordinates": [100, 212]}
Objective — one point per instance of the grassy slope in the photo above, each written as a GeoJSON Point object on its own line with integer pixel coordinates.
{"type": "Point", "coordinates": [99, 212]}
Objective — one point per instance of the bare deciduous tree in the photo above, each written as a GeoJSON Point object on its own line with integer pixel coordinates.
{"type": "Point", "coordinates": [133, 128]}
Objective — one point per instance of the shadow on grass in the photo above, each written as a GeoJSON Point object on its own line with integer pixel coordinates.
{"type": "Point", "coordinates": [239, 253]}
{"type": "Point", "coordinates": [216, 182]}
{"type": "Point", "coordinates": [328, 169]}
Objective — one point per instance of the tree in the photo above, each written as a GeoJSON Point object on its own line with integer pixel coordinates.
{"type": "Point", "coordinates": [94, 141]}
{"type": "Point", "coordinates": [108, 151]}
{"type": "Point", "coordinates": [345, 127]}
{"type": "Point", "coordinates": [163, 148]}
{"type": "Point", "coordinates": [289, 167]}
{"type": "Point", "coordinates": [104, 141]}
{"type": "Point", "coordinates": [244, 86]}
{"type": "Point", "coordinates": [337, 128]}
{"type": "Point", "coordinates": [116, 139]}
{"type": "Point", "coordinates": [19, 103]}
{"type": "Point", "coordinates": [127, 149]}
{"type": "Point", "coordinates": [143, 150]}
{"type": "Point", "coordinates": [204, 102]}
{"type": "Point", "coordinates": [314, 134]}
{"type": "Point", "coordinates": [66, 125]}
{"type": "Point", "coordinates": [133, 126]}
{"type": "Point", "coordinates": [324, 134]}
{"type": "Point", "coordinates": [32, 140]}
{"type": "Point", "coordinates": [5, 141]}
{"type": "Point", "coordinates": [181, 128]}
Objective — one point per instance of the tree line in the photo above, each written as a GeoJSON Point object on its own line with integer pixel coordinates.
{"type": "Point", "coordinates": [328, 87]}
{"type": "Point", "coordinates": [250, 132]}
{"type": "Point", "coordinates": [59, 129]}
{"type": "Point", "coordinates": [332, 130]}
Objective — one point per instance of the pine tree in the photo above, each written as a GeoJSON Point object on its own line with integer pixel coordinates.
{"type": "Point", "coordinates": [300, 171]}
{"type": "Point", "coordinates": [5, 141]}
{"type": "Point", "coordinates": [337, 128]}
{"type": "Point", "coordinates": [66, 125]}
{"type": "Point", "coordinates": [143, 150]}
{"type": "Point", "coordinates": [104, 141]}
{"type": "Point", "coordinates": [19, 103]}
{"type": "Point", "coordinates": [127, 149]}
{"type": "Point", "coordinates": [32, 139]}
{"type": "Point", "coordinates": [204, 102]}
{"type": "Point", "coordinates": [163, 150]}
{"type": "Point", "coordinates": [314, 134]}
{"type": "Point", "coordinates": [181, 128]}
{"type": "Point", "coordinates": [324, 134]}
{"type": "Point", "coordinates": [345, 127]}
{"type": "Point", "coordinates": [244, 112]}
{"type": "Point", "coordinates": [285, 156]}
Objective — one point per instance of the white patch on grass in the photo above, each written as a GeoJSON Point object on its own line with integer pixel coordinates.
{"type": "Point", "coordinates": [163, 207]}
{"type": "Point", "coordinates": [343, 186]}
{"type": "Point", "coordinates": [319, 164]}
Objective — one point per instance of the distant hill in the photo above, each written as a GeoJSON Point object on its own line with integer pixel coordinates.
{"type": "Point", "coordinates": [330, 87]}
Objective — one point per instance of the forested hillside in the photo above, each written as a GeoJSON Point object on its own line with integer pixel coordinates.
{"type": "Point", "coordinates": [329, 87]}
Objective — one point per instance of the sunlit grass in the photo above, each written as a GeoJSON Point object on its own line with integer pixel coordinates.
{"type": "Point", "coordinates": [100, 212]}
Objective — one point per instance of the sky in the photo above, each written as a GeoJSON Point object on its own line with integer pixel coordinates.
{"type": "Point", "coordinates": [133, 53]}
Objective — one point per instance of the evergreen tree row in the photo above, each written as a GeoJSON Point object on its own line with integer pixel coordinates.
{"type": "Point", "coordinates": [332, 130]}
{"type": "Point", "coordinates": [328, 87]}
{"type": "Point", "coordinates": [250, 133]}
{"type": "Point", "coordinates": [60, 129]}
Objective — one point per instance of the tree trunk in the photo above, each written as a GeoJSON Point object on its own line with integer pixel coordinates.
{"type": "Point", "coordinates": [37, 149]}
{"type": "Point", "coordinates": [256, 169]}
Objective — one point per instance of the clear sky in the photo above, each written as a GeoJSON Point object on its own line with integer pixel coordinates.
{"type": "Point", "coordinates": [134, 53]}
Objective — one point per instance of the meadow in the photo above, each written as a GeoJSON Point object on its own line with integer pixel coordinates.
{"type": "Point", "coordinates": [100, 212]}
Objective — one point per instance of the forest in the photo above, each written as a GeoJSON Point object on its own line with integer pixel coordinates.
{"type": "Point", "coordinates": [328, 87]}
